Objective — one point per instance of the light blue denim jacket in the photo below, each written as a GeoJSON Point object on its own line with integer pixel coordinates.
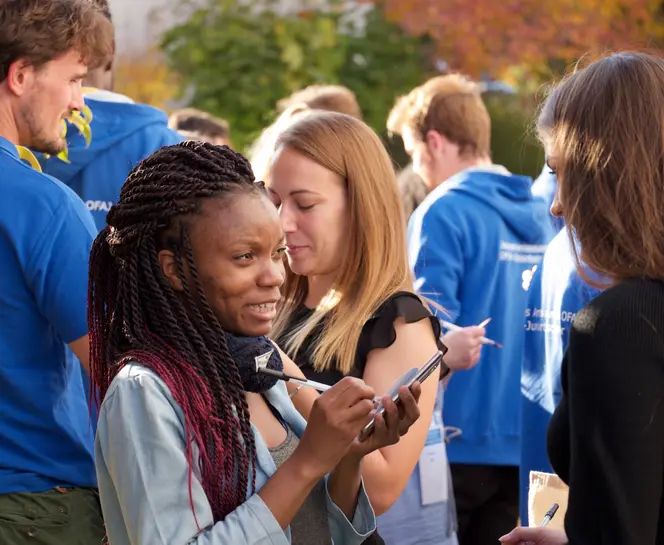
{"type": "Point", "coordinates": [144, 475]}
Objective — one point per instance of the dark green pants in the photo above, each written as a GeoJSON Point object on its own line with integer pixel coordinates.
{"type": "Point", "coordinates": [69, 516]}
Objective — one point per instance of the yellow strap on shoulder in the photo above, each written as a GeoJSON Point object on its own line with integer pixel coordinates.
{"type": "Point", "coordinates": [26, 155]}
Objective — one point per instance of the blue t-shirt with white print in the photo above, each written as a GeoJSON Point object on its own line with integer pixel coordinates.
{"type": "Point", "coordinates": [45, 237]}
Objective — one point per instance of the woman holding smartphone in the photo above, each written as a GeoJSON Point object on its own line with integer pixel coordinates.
{"type": "Point", "coordinates": [193, 446]}
{"type": "Point", "coordinates": [349, 308]}
{"type": "Point", "coordinates": [602, 128]}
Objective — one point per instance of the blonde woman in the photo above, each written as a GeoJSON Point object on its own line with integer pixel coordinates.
{"type": "Point", "coordinates": [349, 306]}
{"type": "Point", "coordinates": [262, 150]}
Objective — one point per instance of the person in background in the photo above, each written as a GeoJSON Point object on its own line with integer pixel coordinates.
{"type": "Point", "coordinates": [198, 125]}
{"type": "Point", "coordinates": [47, 476]}
{"type": "Point", "coordinates": [194, 446]}
{"type": "Point", "coordinates": [337, 98]}
{"type": "Point", "coordinates": [473, 243]}
{"type": "Point", "coordinates": [413, 189]}
{"type": "Point", "coordinates": [123, 133]}
{"type": "Point", "coordinates": [557, 293]}
{"type": "Point", "coordinates": [262, 150]}
{"type": "Point", "coordinates": [545, 187]}
{"type": "Point", "coordinates": [331, 98]}
{"type": "Point", "coordinates": [606, 436]}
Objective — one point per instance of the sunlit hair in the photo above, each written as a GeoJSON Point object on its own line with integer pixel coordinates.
{"type": "Point", "coordinates": [451, 105]}
{"type": "Point", "coordinates": [604, 124]}
{"type": "Point", "coordinates": [39, 31]}
{"type": "Point", "coordinates": [413, 190]}
{"type": "Point", "coordinates": [199, 125]}
{"type": "Point", "coordinates": [262, 150]}
{"type": "Point", "coordinates": [332, 98]}
{"type": "Point", "coordinates": [375, 265]}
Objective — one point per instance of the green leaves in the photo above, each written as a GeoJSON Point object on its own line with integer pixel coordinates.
{"type": "Point", "coordinates": [382, 63]}
{"type": "Point", "coordinates": [241, 58]}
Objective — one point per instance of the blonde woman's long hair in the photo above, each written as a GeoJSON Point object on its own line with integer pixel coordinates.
{"type": "Point", "coordinates": [375, 265]}
{"type": "Point", "coordinates": [261, 152]}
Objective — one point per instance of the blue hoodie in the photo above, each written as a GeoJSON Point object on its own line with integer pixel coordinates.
{"type": "Point", "coordinates": [545, 187]}
{"type": "Point", "coordinates": [123, 134]}
{"type": "Point", "coordinates": [557, 293]}
{"type": "Point", "coordinates": [473, 244]}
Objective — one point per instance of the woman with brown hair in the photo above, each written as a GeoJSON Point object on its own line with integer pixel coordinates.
{"type": "Point", "coordinates": [349, 306]}
{"type": "Point", "coordinates": [603, 128]}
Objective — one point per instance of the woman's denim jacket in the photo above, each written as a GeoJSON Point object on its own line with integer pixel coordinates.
{"type": "Point", "coordinates": [144, 475]}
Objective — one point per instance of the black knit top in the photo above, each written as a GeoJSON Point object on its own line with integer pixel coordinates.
{"type": "Point", "coordinates": [606, 437]}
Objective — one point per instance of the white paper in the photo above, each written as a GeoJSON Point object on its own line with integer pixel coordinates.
{"type": "Point", "coordinates": [433, 466]}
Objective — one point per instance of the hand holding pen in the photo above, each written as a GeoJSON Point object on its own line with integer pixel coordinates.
{"type": "Point", "coordinates": [539, 535]}
{"type": "Point", "coordinates": [295, 380]}
{"type": "Point", "coordinates": [453, 327]}
{"type": "Point", "coordinates": [464, 345]}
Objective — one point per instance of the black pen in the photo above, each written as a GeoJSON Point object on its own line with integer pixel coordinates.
{"type": "Point", "coordinates": [549, 515]}
{"type": "Point", "coordinates": [301, 381]}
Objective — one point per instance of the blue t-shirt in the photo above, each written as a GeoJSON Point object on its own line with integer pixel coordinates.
{"type": "Point", "coordinates": [45, 237]}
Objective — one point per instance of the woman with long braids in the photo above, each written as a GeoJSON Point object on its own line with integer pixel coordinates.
{"type": "Point", "coordinates": [193, 446]}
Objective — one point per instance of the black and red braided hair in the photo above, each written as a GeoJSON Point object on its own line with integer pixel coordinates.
{"type": "Point", "coordinates": [135, 315]}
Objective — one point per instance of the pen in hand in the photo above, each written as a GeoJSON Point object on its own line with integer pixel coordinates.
{"type": "Point", "coordinates": [453, 327]}
{"type": "Point", "coordinates": [288, 378]}
{"type": "Point", "coordinates": [549, 515]}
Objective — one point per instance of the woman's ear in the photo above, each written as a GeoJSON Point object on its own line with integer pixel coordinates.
{"type": "Point", "coordinates": [170, 269]}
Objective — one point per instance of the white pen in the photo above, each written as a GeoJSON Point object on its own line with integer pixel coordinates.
{"type": "Point", "coordinates": [454, 327]}
{"type": "Point", "coordinates": [288, 378]}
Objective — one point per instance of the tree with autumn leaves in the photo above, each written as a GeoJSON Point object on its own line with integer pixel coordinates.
{"type": "Point", "coordinates": [236, 62]}
{"type": "Point", "coordinates": [522, 39]}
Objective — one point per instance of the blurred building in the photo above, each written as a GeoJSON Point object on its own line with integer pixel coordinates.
{"type": "Point", "coordinates": [139, 23]}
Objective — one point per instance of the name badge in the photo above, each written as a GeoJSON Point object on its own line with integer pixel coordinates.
{"type": "Point", "coordinates": [433, 466]}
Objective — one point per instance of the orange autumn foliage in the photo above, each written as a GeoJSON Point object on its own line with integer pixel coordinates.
{"type": "Point", "coordinates": [491, 36]}
{"type": "Point", "coordinates": [145, 78]}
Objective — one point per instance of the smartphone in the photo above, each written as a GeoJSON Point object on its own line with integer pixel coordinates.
{"type": "Point", "coordinates": [410, 376]}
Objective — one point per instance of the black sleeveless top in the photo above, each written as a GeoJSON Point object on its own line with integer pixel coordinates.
{"type": "Point", "coordinates": [377, 332]}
